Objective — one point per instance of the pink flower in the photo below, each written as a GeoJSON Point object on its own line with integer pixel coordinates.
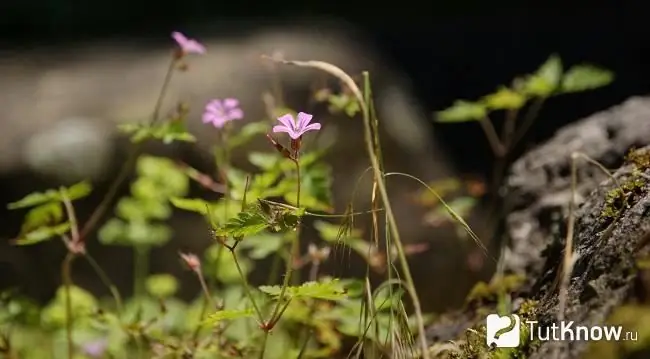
{"type": "Point", "coordinates": [95, 348]}
{"type": "Point", "coordinates": [294, 128]}
{"type": "Point", "coordinates": [191, 260]}
{"type": "Point", "coordinates": [187, 45]}
{"type": "Point", "coordinates": [220, 112]}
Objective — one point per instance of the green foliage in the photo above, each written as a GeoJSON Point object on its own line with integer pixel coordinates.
{"type": "Point", "coordinates": [167, 132]}
{"type": "Point", "coordinates": [545, 81]}
{"type": "Point", "coordinates": [504, 99]}
{"type": "Point", "coordinates": [327, 289]}
{"type": "Point", "coordinates": [548, 80]}
{"type": "Point", "coordinates": [585, 77]}
{"type": "Point", "coordinates": [74, 192]}
{"type": "Point", "coordinates": [344, 103]}
{"type": "Point", "coordinates": [259, 220]}
{"type": "Point", "coordinates": [44, 219]}
{"type": "Point", "coordinates": [83, 305]}
{"type": "Point", "coordinates": [229, 315]}
{"type": "Point", "coordinates": [463, 111]}
{"type": "Point", "coordinates": [162, 285]}
{"type": "Point", "coordinates": [247, 133]}
{"type": "Point", "coordinates": [247, 223]}
{"type": "Point", "coordinates": [159, 180]}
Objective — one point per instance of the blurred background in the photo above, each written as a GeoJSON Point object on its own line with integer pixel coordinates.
{"type": "Point", "coordinates": [434, 52]}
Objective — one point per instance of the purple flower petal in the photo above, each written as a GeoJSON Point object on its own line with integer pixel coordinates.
{"type": "Point", "coordinates": [95, 348]}
{"type": "Point", "coordinates": [220, 112]}
{"type": "Point", "coordinates": [281, 128]}
{"type": "Point", "coordinates": [230, 103]}
{"type": "Point", "coordinates": [214, 106]}
{"type": "Point", "coordinates": [303, 120]}
{"type": "Point", "coordinates": [236, 114]}
{"type": "Point", "coordinates": [188, 45]}
{"type": "Point", "coordinates": [287, 120]}
{"type": "Point", "coordinates": [180, 38]}
{"type": "Point", "coordinates": [312, 127]}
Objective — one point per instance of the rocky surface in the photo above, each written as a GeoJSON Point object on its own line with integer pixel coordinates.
{"type": "Point", "coordinates": [605, 274]}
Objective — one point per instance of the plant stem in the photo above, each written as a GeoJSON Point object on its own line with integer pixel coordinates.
{"type": "Point", "coordinates": [295, 250]}
{"type": "Point", "coordinates": [529, 119]}
{"type": "Point", "coordinates": [493, 138]}
{"type": "Point", "coordinates": [66, 276]}
{"type": "Point", "coordinates": [264, 339]}
{"type": "Point", "coordinates": [107, 282]}
{"type": "Point", "coordinates": [101, 209]}
{"type": "Point", "coordinates": [381, 185]}
{"type": "Point", "coordinates": [247, 288]}
{"type": "Point", "coordinates": [141, 266]}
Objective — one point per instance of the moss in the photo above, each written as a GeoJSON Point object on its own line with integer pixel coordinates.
{"type": "Point", "coordinates": [473, 346]}
{"type": "Point", "coordinates": [639, 157]}
{"type": "Point", "coordinates": [617, 199]}
{"type": "Point", "coordinates": [489, 292]}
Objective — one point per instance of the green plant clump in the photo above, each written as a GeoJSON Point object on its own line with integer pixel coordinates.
{"type": "Point", "coordinates": [261, 215]}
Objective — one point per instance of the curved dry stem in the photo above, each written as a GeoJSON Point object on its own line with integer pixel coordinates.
{"type": "Point", "coordinates": [450, 210]}
{"type": "Point", "coordinates": [381, 186]}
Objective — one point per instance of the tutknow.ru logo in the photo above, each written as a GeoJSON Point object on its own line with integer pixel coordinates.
{"type": "Point", "coordinates": [505, 331]}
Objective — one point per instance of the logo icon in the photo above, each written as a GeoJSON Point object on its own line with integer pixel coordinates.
{"type": "Point", "coordinates": [503, 331]}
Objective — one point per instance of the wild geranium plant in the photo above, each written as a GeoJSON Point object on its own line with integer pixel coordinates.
{"type": "Point", "coordinates": [260, 215]}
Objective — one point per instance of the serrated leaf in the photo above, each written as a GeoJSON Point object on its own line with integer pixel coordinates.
{"type": "Point", "coordinates": [504, 99]}
{"type": "Point", "coordinates": [246, 223]}
{"type": "Point", "coordinates": [546, 79]}
{"type": "Point", "coordinates": [327, 290]}
{"type": "Point", "coordinates": [231, 314]}
{"type": "Point", "coordinates": [73, 192]}
{"type": "Point", "coordinates": [585, 77]}
{"type": "Point", "coordinates": [462, 111]}
{"type": "Point", "coordinates": [42, 234]}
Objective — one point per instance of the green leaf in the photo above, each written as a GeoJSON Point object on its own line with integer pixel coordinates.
{"type": "Point", "coordinates": [113, 232]}
{"type": "Point", "coordinates": [196, 205]}
{"type": "Point", "coordinates": [247, 132]}
{"type": "Point", "coordinates": [78, 190]}
{"type": "Point", "coordinates": [118, 232]}
{"type": "Point", "coordinates": [161, 175]}
{"type": "Point", "coordinates": [216, 317]}
{"type": "Point", "coordinates": [73, 192]}
{"type": "Point", "coordinates": [223, 267]}
{"type": "Point", "coordinates": [42, 234]}
{"type": "Point", "coordinates": [147, 234]}
{"type": "Point", "coordinates": [167, 132]}
{"type": "Point", "coordinates": [462, 111]}
{"type": "Point", "coordinates": [263, 245]}
{"type": "Point", "coordinates": [343, 103]}
{"type": "Point", "coordinates": [246, 223]}
{"type": "Point", "coordinates": [46, 214]}
{"type": "Point", "coordinates": [546, 79]}
{"type": "Point", "coordinates": [161, 285]}
{"type": "Point", "coordinates": [330, 289]}
{"type": "Point", "coordinates": [315, 194]}
{"type": "Point", "coordinates": [504, 99]}
{"type": "Point", "coordinates": [330, 232]}
{"type": "Point", "coordinates": [264, 160]}
{"type": "Point", "coordinates": [585, 77]}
